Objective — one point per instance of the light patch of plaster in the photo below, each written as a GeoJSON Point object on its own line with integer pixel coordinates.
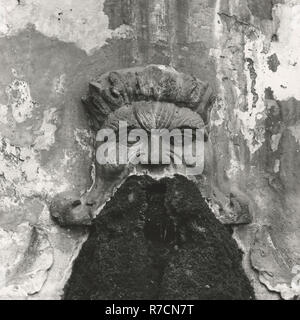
{"type": "Point", "coordinates": [287, 292]}
{"type": "Point", "coordinates": [67, 158]}
{"type": "Point", "coordinates": [123, 32]}
{"type": "Point", "coordinates": [22, 275]}
{"type": "Point", "coordinates": [19, 98]}
{"type": "Point", "coordinates": [218, 33]}
{"type": "Point", "coordinates": [218, 26]}
{"type": "Point", "coordinates": [21, 105]}
{"type": "Point", "coordinates": [295, 131]}
{"type": "Point", "coordinates": [255, 110]}
{"type": "Point", "coordinates": [59, 84]}
{"type": "Point", "coordinates": [16, 74]}
{"type": "Point", "coordinates": [235, 168]}
{"type": "Point", "coordinates": [83, 137]}
{"type": "Point", "coordinates": [285, 81]}
{"type": "Point", "coordinates": [3, 113]}
{"type": "Point", "coordinates": [216, 52]}
{"type": "Point", "coordinates": [218, 113]}
{"type": "Point", "coordinates": [8, 202]}
{"type": "Point", "coordinates": [46, 132]}
{"type": "Point", "coordinates": [275, 139]}
{"type": "Point", "coordinates": [42, 271]}
{"type": "Point", "coordinates": [66, 246]}
{"type": "Point", "coordinates": [81, 22]}
{"type": "Point", "coordinates": [254, 135]}
{"type": "Point", "coordinates": [158, 23]}
{"type": "Point", "coordinates": [252, 114]}
{"type": "Point", "coordinates": [54, 286]}
{"type": "Point", "coordinates": [277, 166]}
{"type": "Point", "coordinates": [20, 168]}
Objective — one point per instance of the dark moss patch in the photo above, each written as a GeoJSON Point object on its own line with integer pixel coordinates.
{"type": "Point", "coordinates": [158, 240]}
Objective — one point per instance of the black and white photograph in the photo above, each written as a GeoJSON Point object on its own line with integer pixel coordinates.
{"type": "Point", "coordinates": [149, 153]}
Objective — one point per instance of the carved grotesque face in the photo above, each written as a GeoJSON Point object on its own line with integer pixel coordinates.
{"type": "Point", "coordinates": [150, 137]}
{"type": "Point", "coordinates": [149, 101]}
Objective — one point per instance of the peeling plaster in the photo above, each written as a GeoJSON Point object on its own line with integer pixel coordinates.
{"type": "Point", "coordinates": [46, 132]}
{"type": "Point", "coordinates": [59, 84]}
{"type": "Point", "coordinates": [284, 82]}
{"type": "Point", "coordinates": [277, 166]}
{"type": "Point", "coordinates": [83, 23]}
{"type": "Point", "coordinates": [20, 168]}
{"type": "Point", "coordinates": [23, 271]}
{"type": "Point", "coordinates": [235, 168]}
{"type": "Point", "coordinates": [83, 138]}
{"type": "Point", "coordinates": [42, 271]}
{"type": "Point", "coordinates": [275, 139]}
{"type": "Point", "coordinates": [3, 113]}
{"type": "Point", "coordinates": [19, 98]}
{"type": "Point", "coordinates": [33, 141]}
{"type": "Point", "coordinates": [255, 112]}
{"type": "Point", "coordinates": [216, 53]}
{"type": "Point", "coordinates": [66, 245]}
{"type": "Point", "coordinates": [158, 23]}
{"type": "Point", "coordinates": [218, 115]}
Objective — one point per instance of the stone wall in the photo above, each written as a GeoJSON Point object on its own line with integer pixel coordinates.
{"type": "Point", "coordinates": [249, 52]}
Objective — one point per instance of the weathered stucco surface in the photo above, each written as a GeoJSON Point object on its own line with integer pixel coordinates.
{"type": "Point", "coordinates": [247, 49]}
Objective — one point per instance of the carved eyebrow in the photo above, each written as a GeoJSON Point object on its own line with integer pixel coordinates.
{"type": "Point", "coordinates": [154, 115]}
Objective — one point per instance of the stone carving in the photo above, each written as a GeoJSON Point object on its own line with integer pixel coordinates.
{"type": "Point", "coordinates": [152, 97]}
